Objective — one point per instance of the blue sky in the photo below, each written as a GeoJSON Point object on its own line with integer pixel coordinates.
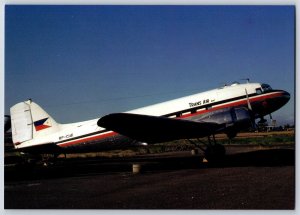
{"type": "Point", "coordinates": [82, 62]}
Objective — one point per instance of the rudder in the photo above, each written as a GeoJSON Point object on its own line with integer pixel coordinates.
{"type": "Point", "coordinates": [29, 120]}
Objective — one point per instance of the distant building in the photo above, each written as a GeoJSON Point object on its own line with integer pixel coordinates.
{"type": "Point", "coordinates": [271, 126]}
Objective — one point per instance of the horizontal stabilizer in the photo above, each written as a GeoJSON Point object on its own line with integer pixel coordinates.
{"type": "Point", "coordinates": [153, 129]}
{"type": "Point", "coordinates": [46, 148]}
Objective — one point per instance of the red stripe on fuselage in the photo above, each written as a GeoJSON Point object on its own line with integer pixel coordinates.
{"type": "Point", "coordinates": [88, 139]}
{"type": "Point", "coordinates": [232, 104]}
{"type": "Point", "coordinates": [229, 104]}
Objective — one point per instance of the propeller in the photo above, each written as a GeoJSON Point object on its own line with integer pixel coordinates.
{"type": "Point", "coordinates": [248, 101]}
{"type": "Point", "coordinates": [251, 113]}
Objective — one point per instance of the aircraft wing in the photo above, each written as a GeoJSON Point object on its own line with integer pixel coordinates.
{"type": "Point", "coordinates": [153, 129]}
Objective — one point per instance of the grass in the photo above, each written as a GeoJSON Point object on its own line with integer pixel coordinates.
{"type": "Point", "coordinates": [269, 140]}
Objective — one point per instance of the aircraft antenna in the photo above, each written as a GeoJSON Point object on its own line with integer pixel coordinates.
{"type": "Point", "coordinates": [223, 84]}
{"type": "Point", "coordinates": [246, 79]}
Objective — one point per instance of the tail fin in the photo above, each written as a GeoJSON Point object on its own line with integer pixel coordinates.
{"type": "Point", "coordinates": [29, 120]}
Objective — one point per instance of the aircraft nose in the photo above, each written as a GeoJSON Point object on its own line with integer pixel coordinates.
{"type": "Point", "coordinates": [286, 96]}
{"type": "Point", "coordinates": [282, 99]}
{"type": "Point", "coordinates": [272, 104]}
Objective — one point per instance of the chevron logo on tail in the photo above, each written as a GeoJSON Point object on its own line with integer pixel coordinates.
{"type": "Point", "coordinates": [42, 124]}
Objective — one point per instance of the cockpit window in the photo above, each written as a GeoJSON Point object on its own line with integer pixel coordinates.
{"type": "Point", "coordinates": [266, 87]}
{"type": "Point", "coordinates": [258, 91]}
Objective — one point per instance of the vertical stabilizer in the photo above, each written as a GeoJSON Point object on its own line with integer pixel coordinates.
{"type": "Point", "coordinates": [30, 121]}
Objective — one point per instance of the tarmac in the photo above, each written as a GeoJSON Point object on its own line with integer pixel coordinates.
{"type": "Point", "coordinates": [245, 179]}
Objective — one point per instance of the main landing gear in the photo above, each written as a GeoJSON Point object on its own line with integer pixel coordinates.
{"type": "Point", "coordinates": [50, 159]}
{"type": "Point", "coordinates": [45, 160]}
{"type": "Point", "coordinates": [213, 152]}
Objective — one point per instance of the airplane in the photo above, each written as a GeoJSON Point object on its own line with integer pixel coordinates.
{"type": "Point", "coordinates": [227, 109]}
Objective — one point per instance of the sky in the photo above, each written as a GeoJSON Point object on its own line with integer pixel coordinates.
{"type": "Point", "coordinates": [82, 62]}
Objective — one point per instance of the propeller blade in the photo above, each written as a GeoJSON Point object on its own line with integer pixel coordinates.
{"type": "Point", "coordinates": [254, 126]}
{"type": "Point", "coordinates": [248, 101]}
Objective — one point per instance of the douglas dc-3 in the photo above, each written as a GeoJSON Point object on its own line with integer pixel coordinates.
{"type": "Point", "coordinates": [228, 110]}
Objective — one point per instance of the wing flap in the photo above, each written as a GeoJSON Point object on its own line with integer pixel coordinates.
{"type": "Point", "coordinates": [152, 129]}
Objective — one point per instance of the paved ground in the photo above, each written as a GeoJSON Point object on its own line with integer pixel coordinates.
{"type": "Point", "coordinates": [249, 180]}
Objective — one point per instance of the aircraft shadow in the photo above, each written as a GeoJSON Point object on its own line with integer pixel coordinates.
{"type": "Point", "coordinates": [81, 167]}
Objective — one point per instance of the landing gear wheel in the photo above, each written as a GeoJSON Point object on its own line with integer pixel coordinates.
{"type": "Point", "coordinates": [215, 153]}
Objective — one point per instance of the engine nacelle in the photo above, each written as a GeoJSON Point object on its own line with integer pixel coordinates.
{"type": "Point", "coordinates": [233, 119]}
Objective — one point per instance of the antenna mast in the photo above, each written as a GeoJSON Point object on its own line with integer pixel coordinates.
{"type": "Point", "coordinates": [246, 79]}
